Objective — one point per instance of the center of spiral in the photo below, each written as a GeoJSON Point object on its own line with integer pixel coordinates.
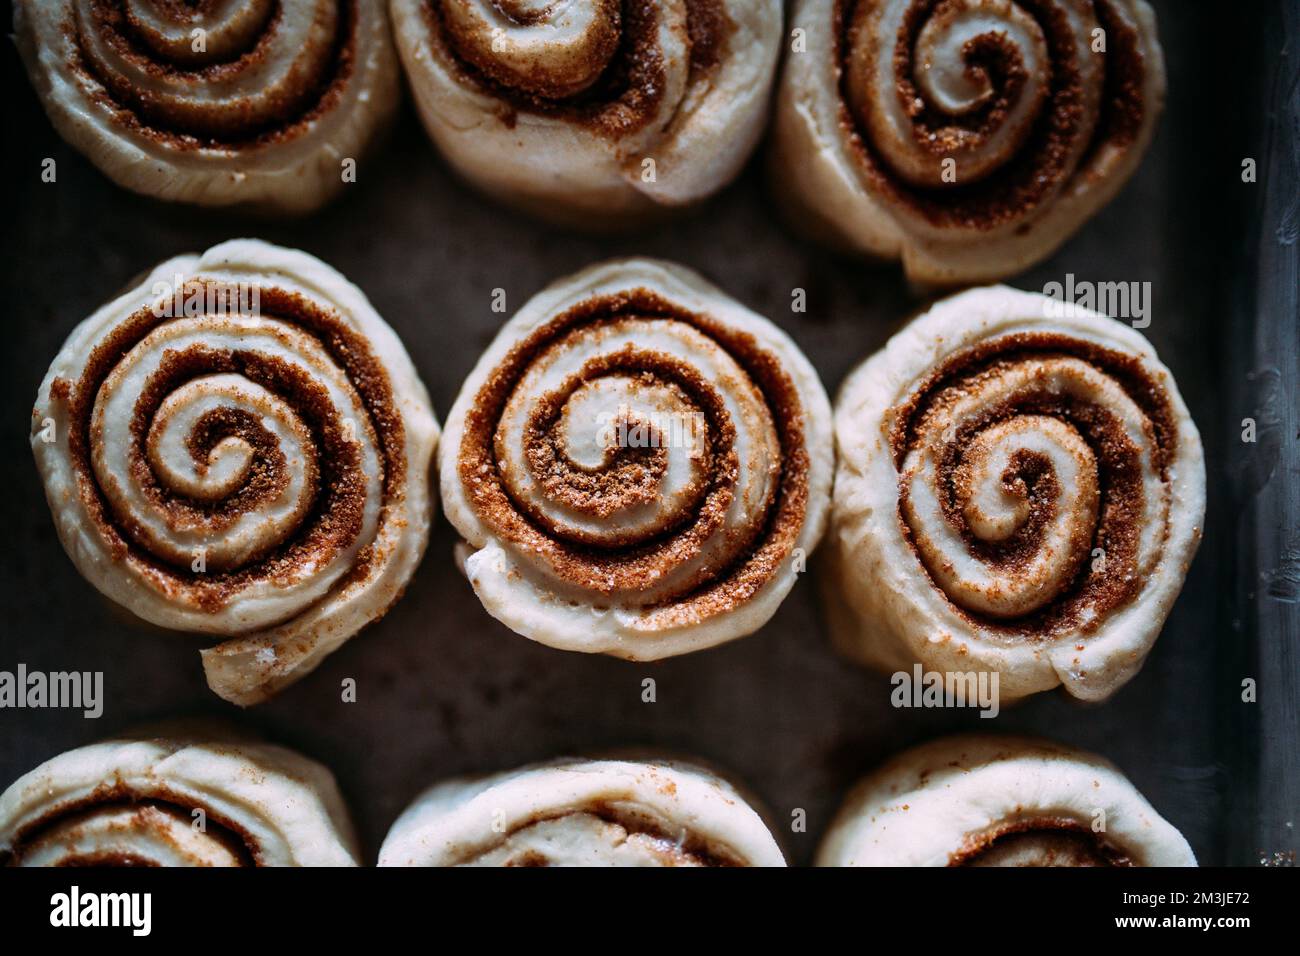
{"type": "Point", "coordinates": [620, 451]}
{"type": "Point", "coordinates": [1031, 480]}
{"type": "Point", "coordinates": [550, 49]}
{"type": "Point", "coordinates": [226, 70]}
{"type": "Point", "coordinates": [195, 34]}
{"type": "Point", "coordinates": [949, 97]}
{"type": "Point", "coordinates": [624, 452]}
{"type": "Point", "coordinates": [1009, 535]}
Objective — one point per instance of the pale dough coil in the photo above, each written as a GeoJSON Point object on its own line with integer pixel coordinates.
{"type": "Point", "coordinates": [1020, 490]}
{"type": "Point", "coordinates": [999, 801]}
{"type": "Point", "coordinates": [595, 114]}
{"type": "Point", "coordinates": [181, 796]}
{"type": "Point", "coordinates": [240, 446]}
{"type": "Point", "coordinates": [256, 103]}
{"type": "Point", "coordinates": [638, 465]}
{"type": "Point", "coordinates": [969, 138]}
{"type": "Point", "coordinates": [583, 813]}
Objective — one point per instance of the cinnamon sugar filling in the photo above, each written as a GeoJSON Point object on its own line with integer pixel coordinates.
{"type": "Point", "coordinates": [615, 86]}
{"type": "Point", "coordinates": [224, 832]}
{"type": "Point", "coordinates": [678, 849]}
{"type": "Point", "coordinates": [334, 476]}
{"type": "Point", "coordinates": [632, 474]}
{"type": "Point", "coordinates": [257, 118]}
{"type": "Point", "coordinates": [1111, 475]}
{"type": "Point", "coordinates": [614, 566]}
{"type": "Point", "coordinates": [1039, 841]}
{"type": "Point", "coordinates": [1050, 152]}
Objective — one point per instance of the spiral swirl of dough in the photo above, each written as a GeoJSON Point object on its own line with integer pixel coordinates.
{"type": "Point", "coordinates": [638, 465]}
{"type": "Point", "coordinates": [974, 800]}
{"type": "Point", "coordinates": [969, 137]}
{"type": "Point", "coordinates": [1002, 480]}
{"type": "Point", "coordinates": [592, 114]}
{"type": "Point", "coordinates": [183, 796]}
{"type": "Point", "coordinates": [575, 812]}
{"type": "Point", "coordinates": [222, 102]}
{"type": "Point", "coordinates": [240, 447]}
{"type": "Point", "coordinates": [1037, 478]}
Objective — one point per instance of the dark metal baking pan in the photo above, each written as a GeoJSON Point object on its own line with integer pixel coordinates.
{"type": "Point", "coordinates": [444, 689]}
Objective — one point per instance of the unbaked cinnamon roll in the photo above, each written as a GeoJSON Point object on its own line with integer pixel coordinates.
{"type": "Point", "coordinates": [999, 801]}
{"type": "Point", "coordinates": [638, 465]}
{"type": "Point", "coordinates": [592, 114]}
{"type": "Point", "coordinates": [970, 138]}
{"type": "Point", "coordinates": [1020, 491]}
{"type": "Point", "coordinates": [184, 797]}
{"type": "Point", "coordinates": [583, 813]}
{"type": "Point", "coordinates": [240, 446]}
{"type": "Point", "coordinates": [221, 102]}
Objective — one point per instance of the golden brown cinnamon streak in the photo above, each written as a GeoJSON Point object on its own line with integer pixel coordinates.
{"type": "Point", "coordinates": [597, 114]}
{"type": "Point", "coordinates": [177, 795]}
{"type": "Point", "coordinates": [240, 446]}
{"type": "Point", "coordinates": [575, 812]}
{"type": "Point", "coordinates": [969, 138]}
{"type": "Point", "coordinates": [1020, 490]}
{"type": "Point", "coordinates": [974, 800]}
{"type": "Point", "coordinates": [256, 103]}
{"type": "Point", "coordinates": [639, 465]}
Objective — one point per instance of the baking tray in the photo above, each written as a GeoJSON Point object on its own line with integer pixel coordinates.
{"type": "Point", "coordinates": [444, 689]}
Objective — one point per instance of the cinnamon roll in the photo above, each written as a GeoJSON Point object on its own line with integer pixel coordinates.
{"type": "Point", "coordinates": [240, 446]}
{"type": "Point", "coordinates": [185, 796]}
{"type": "Point", "coordinates": [220, 102]}
{"type": "Point", "coordinates": [970, 138]}
{"type": "Point", "coordinates": [999, 801]}
{"type": "Point", "coordinates": [592, 114]}
{"type": "Point", "coordinates": [639, 465]}
{"type": "Point", "coordinates": [583, 813]}
{"type": "Point", "coordinates": [1020, 490]}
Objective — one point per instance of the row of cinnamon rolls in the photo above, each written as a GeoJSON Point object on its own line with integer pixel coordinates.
{"type": "Point", "coordinates": [968, 138]}
{"type": "Point", "coordinates": [194, 795]}
{"type": "Point", "coordinates": [638, 465]}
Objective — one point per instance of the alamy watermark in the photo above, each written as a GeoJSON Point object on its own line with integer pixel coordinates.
{"type": "Point", "coordinates": [922, 688]}
{"type": "Point", "coordinates": [76, 690]}
{"type": "Point", "coordinates": [626, 428]}
{"type": "Point", "coordinates": [1130, 301]}
{"type": "Point", "coordinates": [188, 298]}
{"type": "Point", "coordinates": [133, 911]}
